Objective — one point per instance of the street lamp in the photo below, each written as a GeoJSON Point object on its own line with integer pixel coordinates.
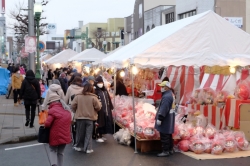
{"type": "Point", "coordinates": [37, 13]}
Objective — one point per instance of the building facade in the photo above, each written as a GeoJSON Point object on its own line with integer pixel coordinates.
{"type": "Point", "coordinates": [147, 15]}
{"type": "Point", "coordinates": [151, 13]}
{"type": "Point", "coordinates": [97, 33]}
{"type": "Point", "coordinates": [235, 11]}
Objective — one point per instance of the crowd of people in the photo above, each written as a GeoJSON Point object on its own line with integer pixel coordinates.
{"type": "Point", "coordinates": [80, 108]}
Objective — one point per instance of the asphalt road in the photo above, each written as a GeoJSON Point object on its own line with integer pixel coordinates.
{"type": "Point", "coordinates": [105, 154]}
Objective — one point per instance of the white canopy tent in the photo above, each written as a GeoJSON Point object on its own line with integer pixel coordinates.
{"type": "Point", "coordinates": [45, 57]}
{"type": "Point", "coordinates": [61, 57]}
{"type": "Point", "coordinates": [88, 55]}
{"type": "Point", "coordinates": [204, 39]}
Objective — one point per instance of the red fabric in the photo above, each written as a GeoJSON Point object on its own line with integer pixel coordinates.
{"type": "Point", "coordinates": [202, 69]}
{"type": "Point", "coordinates": [182, 81]}
{"type": "Point", "coordinates": [59, 121]}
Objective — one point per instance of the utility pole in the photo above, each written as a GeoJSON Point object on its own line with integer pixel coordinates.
{"type": "Point", "coordinates": [31, 33]}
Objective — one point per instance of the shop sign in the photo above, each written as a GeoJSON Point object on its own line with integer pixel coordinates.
{"type": "Point", "coordinates": [237, 21]}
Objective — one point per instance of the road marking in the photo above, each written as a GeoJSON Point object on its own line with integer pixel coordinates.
{"type": "Point", "coordinates": [19, 147]}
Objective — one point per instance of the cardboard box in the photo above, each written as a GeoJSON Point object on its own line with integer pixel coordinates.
{"type": "Point", "coordinates": [245, 127]}
{"type": "Point", "coordinates": [245, 112]}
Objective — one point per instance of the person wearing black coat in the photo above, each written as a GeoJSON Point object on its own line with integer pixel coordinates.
{"type": "Point", "coordinates": [165, 119]}
{"type": "Point", "coordinates": [30, 93]}
{"type": "Point", "coordinates": [105, 119]}
{"type": "Point", "coordinates": [64, 82]}
{"type": "Point", "coordinates": [50, 77]}
{"type": "Point", "coordinates": [120, 87]}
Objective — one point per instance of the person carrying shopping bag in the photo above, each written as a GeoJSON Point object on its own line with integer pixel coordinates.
{"type": "Point", "coordinates": [59, 122]}
{"type": "Point", "coordinates": [85, 106]}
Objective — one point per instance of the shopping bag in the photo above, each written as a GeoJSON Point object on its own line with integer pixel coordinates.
{"type": "Point", "coordinates": [43, 115]}
{"type": "Point", "coordinates": [43, 134]}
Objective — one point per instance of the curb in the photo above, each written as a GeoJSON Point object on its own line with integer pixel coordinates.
{"type": "Point", "coordinates": [19, 139]}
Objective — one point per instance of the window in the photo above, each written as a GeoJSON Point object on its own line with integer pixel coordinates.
{"type": "Point", "coordinates": [153, 26]}
{"type": "Point", "coordinates": [187, 14]}
{"type": "Point", "coordinates": [99, 29]}
{"type": "Point", "coordinates": [169, 17]}
{"type": "Point", "coordinates": [148, 29]}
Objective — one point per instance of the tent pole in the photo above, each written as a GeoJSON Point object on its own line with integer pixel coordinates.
{"type": "Point", "coordinates": [133, 103]}
{"type": "Point", "coordinates": [114, 91]}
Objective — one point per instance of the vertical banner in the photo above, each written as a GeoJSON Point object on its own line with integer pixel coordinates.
{"type": "Point", "coordinates": [30, 44]}
{"type": "Point", "coordinates": [3, 6]}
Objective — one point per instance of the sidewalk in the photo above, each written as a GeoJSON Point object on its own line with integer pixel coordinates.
{"type": "Point", "coordinates": [12, 120]}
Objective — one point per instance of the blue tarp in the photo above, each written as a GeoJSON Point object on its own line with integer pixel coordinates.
{"type": "Point", "coordinates": [4, 80]}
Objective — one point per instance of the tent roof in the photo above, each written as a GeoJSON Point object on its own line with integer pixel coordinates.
{"type": "Point", "coordinates": [204, 39]}
{"type": "Point", "coordinates": [61, 57]}
{"type": "Point", "coordinates": [45, 57]}
{"type": "Point", "coordinates": [89, 55]}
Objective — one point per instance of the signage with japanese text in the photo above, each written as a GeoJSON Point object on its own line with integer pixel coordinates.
{"type": "Point", "coordinates": [237, 21]}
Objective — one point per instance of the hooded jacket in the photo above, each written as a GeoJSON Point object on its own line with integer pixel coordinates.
{"type": "Point", "coordinates": [54, 93]}
{"type": "Point", "coordinates": [59, 121]}
{"type": "Point", "coordinates": [30, 89]}
{"type": "Point", "coordinates": [72, 90]}
{"type": "Point", "coordinates": [17, 80]}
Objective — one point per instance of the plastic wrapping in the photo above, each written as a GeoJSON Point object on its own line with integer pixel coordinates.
{"type": "Point", "coordinates": [242, 91]}
{"type": "Point", "coordinates": [183, 132]}
{"type": "Point", "coordinates": [201, 121]}
{"type": "Point", "coordinates": [199, 130]}
{"type": "Point", "coordinates": [183, 145]}
{"type": "Point", "coordinates": [218, 144]}
{"type": "Point", "coordinates": [221, 97]}
{"type": "Point", "coordinates": [125, 138]}
{"type": "Point", "coordinates": [241, 141]}
{"type": "Point", "coordinates": [230, 143]}
{"type": "Point", "coordinates": [210, 131]}
{"type": "Point", "coordinates": [208, 144]}
{"type": "Point", "coordinates": [197, 146]}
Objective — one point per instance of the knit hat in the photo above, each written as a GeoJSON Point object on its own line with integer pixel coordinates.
{"type": "Point", "coordinates": [56, 81]}
{"type": "Point", "coordinates": [99, 79]}
{"type": "Point", "coordinates": [53, 96]}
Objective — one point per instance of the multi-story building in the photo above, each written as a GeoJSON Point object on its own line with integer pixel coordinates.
{"type": "Point", "coordinates": [149, 14]}
{"type": "Point", "coordinates": [9, 49]}
{"type": "Point", "coordinates": [96, 33]}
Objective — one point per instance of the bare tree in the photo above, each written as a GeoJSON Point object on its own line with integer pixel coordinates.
{"type": "Point", "coordinates": [21, 23]}
{"type": "Point", "coordinates": [100, 36]}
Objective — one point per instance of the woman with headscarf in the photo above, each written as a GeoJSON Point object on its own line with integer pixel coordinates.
{"type": "Point", "coordinates": [105, 119]}
{"type": "Point", "coordinates": [30, 92]}
{"type": "Point", "coordinates": [17, 80]}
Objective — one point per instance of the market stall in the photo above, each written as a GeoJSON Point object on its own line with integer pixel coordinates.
{"type": "Point", "coordinates": [60, 59]}
{"type": "Point", "coordinates": [199, 52]}
{"type": "Point", "coordinates": [89, 55]}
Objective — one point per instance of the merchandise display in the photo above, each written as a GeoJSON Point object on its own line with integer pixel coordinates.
{"type": "Point", "coordinates": [145, 117]}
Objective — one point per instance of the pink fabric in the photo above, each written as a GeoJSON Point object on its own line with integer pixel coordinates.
{"type": "Point", "coordinates": [59, 121]}
{"type": "Point", "coordinates": [22, 71]}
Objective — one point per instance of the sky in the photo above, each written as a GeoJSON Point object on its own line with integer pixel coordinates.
{"type": "Point", "coordinates": [67, 13]}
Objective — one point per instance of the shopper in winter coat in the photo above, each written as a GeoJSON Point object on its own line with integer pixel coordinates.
{"type": "Point", "coordinates": [165, 119]}
{"type": "Point", "coordinates": [22, 70]}
{"type": "Point", "coordinates": [85, 107]}
{"type": "Point", "coordinates": [64, 82]}
{"type": "Point", "coordinates": [89, 80]}
{"type": "Point", "coordinates": [74, 89]}
{"type": "Point", "coordinates": [54, 88]}
{"type": "Point", "coordinates": [59, 121]}
{"type": "Point", "coordinates": [17, 80]}
{"type": "Point", "coordinates": [105, 119]}
{"type": "Point", "coordinates": [31, 93]}
{"type": "Point", "coordinates": [50, 77]}
{"type": "Point", "coordinates": [73, 77]}
{"type": "Point", "coordinates": [42, 86]}
{"type": "Point", "coordinates": [120, 87]}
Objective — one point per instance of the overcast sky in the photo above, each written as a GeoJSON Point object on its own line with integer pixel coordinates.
{"type": "Point", "coordinates": [67, 13]}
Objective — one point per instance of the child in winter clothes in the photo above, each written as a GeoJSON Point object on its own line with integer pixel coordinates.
{"type": "Point", "coordinates": [42, 86]}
